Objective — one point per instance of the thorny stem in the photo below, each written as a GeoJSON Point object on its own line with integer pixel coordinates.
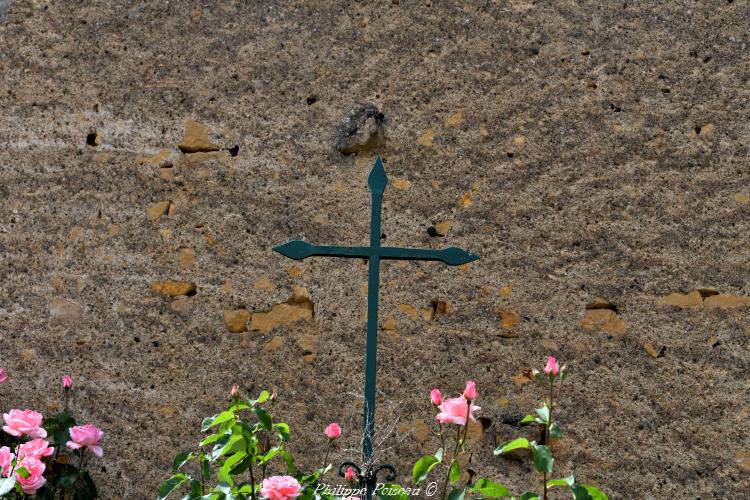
{"type": "Point", "coordinates": [550, 404]}
{"type": "Point", "coordinates": [252, 482]}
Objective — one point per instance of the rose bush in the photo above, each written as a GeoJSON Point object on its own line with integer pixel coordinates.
{"type": "Point", "coordinates": [45, 457]}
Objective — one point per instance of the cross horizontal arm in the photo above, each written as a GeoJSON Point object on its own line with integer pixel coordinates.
{"type": "Point", "coordinates": [452, 256]}
{"type": "Point", "coordinates": [299, 250]}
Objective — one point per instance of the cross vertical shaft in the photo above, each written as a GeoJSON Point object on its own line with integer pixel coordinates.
{"type": "Point", "coordinates": [299, 250]}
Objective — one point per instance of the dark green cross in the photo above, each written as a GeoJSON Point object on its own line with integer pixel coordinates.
{"type": "Point", "coordinates": [299, 250]}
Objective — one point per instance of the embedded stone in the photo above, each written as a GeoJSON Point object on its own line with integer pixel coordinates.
{"type": "Point", "coordinates": [726, 301]}
{"type": "Point", "coordinates": [682, 300]}
{"type": "Point", "coordinates": [298, 308]}
{"type": "Point", "coordinates": [363, 129]}
{"type": "Point", "coordinates": [65, 310]}
{"type": "Point", "coordinates": [605, 320]}
{"type": "Point", "coordinates": [195, 139]}
{"type": "Point", "coordinates": [174, 288]}
{"type": "Point", "coordinates": [158, 209]}
{"type": "Point", "coordinates": [236, 320]}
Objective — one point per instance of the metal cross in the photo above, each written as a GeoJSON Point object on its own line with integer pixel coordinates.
{"type": "Point", "coordinates": [299, 250]}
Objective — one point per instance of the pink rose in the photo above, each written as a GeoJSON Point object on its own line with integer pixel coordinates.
{"type": "Point", "coordinates": [455, 410]}
{"type": "Point", "coordinates": [35, 480]}
{"type": "Point", "coordinates": [436, 397]}
{"type": "Point", "coordinates": [67, 382]}
{"type": "Point", "coordinates": [6, 457]}
{"type": "Point", "coordinates": [234, 391]}
{"type": "Point", "coordinates": [86, 435]}
{"type": "Point", "coordinates": [24, 423]}
{"type": "Point", "coordinates": [350, 476]}
{"type": "Point", "coordinates": [333, 431]}
{"type": "Point", "coordinates": [351, 498]}
{"type": "Point", "coordinates": [470, 392]}
{"type": "Point", "coordinates": [36, 448]}
{"type": "Point", "coordinates": [552, 367]}
{"type": "Point", "coordinates": [280, 488]}
{"type": "Point", "coordinates": [3, 376]}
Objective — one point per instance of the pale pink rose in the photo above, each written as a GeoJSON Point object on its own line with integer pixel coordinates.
{"type": "Point", "coordinates": [470, 392]}
{"type": "Point", "coordinates": [350, 476]}
{"type": "Point", "coordinates": [36, 448]}
{"type": "Point", "coordinates": [24, 423]}
{"type": "Point", "coordinates": [333, 431]}
{"type": "Point", "coordinates": [436, 397]}
{"type": "Point", "coordinates": [234, 391]}
{"type": "Point", "coordinates": [280, 488]}
{"type": "Point", "coordinates": [67, 382]}
{"type": "Point", "coordinates": [351, 498]}
{"type": "Point", "coordinates": [86, 435]}
{"type": "Point", "coordinates": [6, 457]}
{"type": "Point", "coordinates": [552, 367]}
{"type": "Point", "coordinates": [455, 410]}
{"type": "Point", "coordinates": [35, 480]}
{"type": "Point", "coordinates": [3, 376]}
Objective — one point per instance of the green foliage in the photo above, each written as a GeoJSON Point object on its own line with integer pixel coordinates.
{"type": "Point", "coordinates": [512, 445]}
{"type": "Point", "coordinates": [542, 455]}
{"type": "Point", "coordinates": [489, 489]}
{"type": "Point", "coordinates": [232, 459]}
{"type": "Point", "coordinates": [423, 467]}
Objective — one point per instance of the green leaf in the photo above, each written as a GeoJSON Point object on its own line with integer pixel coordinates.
{"type": "Point", "coordinates": [566, 481]}
{"type": "Point", "coordinates": [489, 489]}
{"type": "Point", "coordinates": [221, 418]}
{"type": "Point", "coordinates": [7, 485]}
{"type": "Point", "coordinates": [423, 467]}
{"type": "Point", "coordinates": [211, 439]}
{"type": "Point", "coordinates": [264, 417]}
{"type": "Point", "coordinates": [196, 490]}
{"type": "Point", "coordinates": [455, 472]}
{"type": "Point", "coordinates": [512, 445]}
{"type": "Point", "coordinates": [181, 459]}
{"type": "Point", "coordinates": [23, 472]}
{"type": "Point", "coordinates": [67, 481]}
{"type": "Point", "coordinates": [270, 454]}
{"type": "Point", "coordinates": [554, 431]}
{"type": "Point", "coordinates": [527, 420]}
{"type": "Point", "coordinates": [529, 496]}
{"type": "Point", "coordinates": [289, 460]}
{"type": "Point", "coordinates": [543, 460]}
{"type": "Point", "coordinates": [439, 455]}
{"type": "Point", "coordinates": [263, 397]}
{"type": "Point", "coordinates": [587, 492]}
{"type": "Point", "coordinates": [205, 467]}
{"type": "Point", "coordinates": [234, 444]}
{"type": "Point", "coordinates": [224, 473]}
{"type": "Point", "coordinates": [457, 494]}
{"type": "Point", "coordinates": [543, 413]}
{"type": "Point", "coordinates": [282, 430]}
{"type": "Point", "coordinates": [391, 491]}
{"type": "Point", "coordinates": [171, 484]}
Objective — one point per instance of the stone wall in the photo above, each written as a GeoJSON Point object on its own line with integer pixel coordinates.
{"type": "Point", "coordinates": [594, 154]}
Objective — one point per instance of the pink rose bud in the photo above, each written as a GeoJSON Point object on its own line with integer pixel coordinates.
{"type": "Point", "coordinates": [456, 411]}
{"type": "Point", "coordinates": [552, 367]}
{"type": "Point", "coordinates": [3, 376]}
{"type": "Point", "coordinates": [470, 392]}
{"type": "Point", "coordinates": [234, 391]}
{"type": "Point", "coordinates": [6, 458]}
{"type": "Point", "coordinates": [35, 479]}
{"type": "Point", "coordinates": [86, 435]}
{"type": "Point", "coordinates": [280, 488]}
{"type": "Point", "coordinates": [333, 431]}
{"type": "Point", "coordinates": [24, 423]}
{"type": "Point", "coordinates": [67, 382]}
{"type": "Point", "coordinates": [36, 448]}
{"type": "Point", "coordinates": [350, 476]}
{"type": "Point", "coordinates": [436, 397]}
{"type": "Point", "coordinates": [273, 395]}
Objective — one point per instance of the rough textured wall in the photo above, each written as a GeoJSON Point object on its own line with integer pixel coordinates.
{"type": "Point", "coordinates": [583, 149]}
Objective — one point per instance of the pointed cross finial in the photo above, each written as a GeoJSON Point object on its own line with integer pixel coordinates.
{"type": "Point", "coordinates": [377, 179]}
